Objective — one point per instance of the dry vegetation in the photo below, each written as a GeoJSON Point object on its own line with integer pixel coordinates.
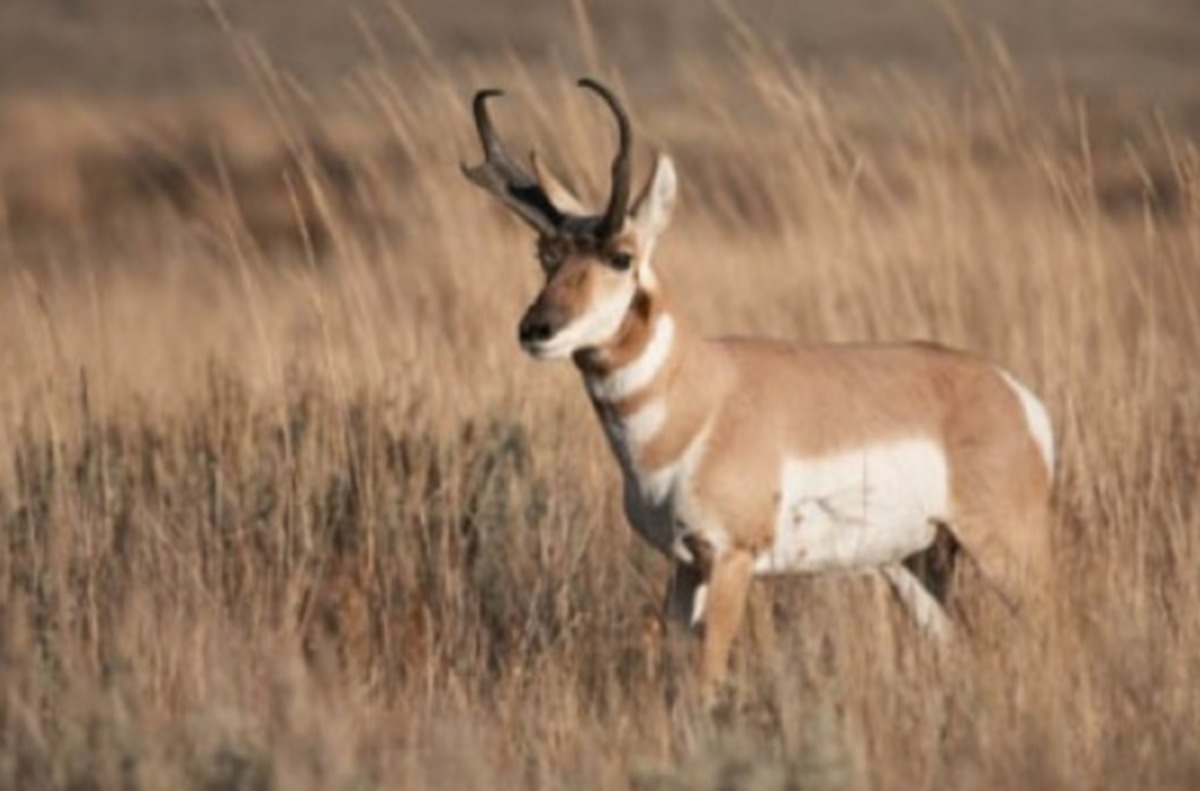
{"type": "Point", "coordinates": [283, 505]}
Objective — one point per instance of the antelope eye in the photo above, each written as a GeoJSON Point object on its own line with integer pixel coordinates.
{"type": "Point", "coordinates": [621, 261]}
{"type": "Point", "coordinates": [549, 259]}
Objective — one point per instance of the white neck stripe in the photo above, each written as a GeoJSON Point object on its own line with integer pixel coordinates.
{"type": "Point", "coordinates": [635, 375]}
{"type": "Point", "coordinates": [644, 424]}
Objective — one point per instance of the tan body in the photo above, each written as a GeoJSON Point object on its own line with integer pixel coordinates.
{"type": "Point", "coordinates": [736, 410]}
{"type": "Point", "coordinates": [746, 457]}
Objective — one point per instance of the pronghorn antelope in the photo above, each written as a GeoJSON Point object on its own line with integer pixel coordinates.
{"type": "Point", "coordinates": [745, 457]}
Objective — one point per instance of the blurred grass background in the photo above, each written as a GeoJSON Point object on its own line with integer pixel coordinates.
{"type": "Point", "coordinates": [169, 47]}
{"type": "Point", "coordinates": [284, 506]}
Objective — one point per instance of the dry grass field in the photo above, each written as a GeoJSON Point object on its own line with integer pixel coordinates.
{"type": "Point", "coordinates": [284, 506]}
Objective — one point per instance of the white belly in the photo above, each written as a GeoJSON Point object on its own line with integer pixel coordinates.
{"type": "Point", "coordinates": [867, 507]}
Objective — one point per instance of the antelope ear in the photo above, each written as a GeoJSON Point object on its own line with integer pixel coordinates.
{"type": "Point", "coordinates": [652, 211]}
{"type": "Point", "coordinates": [562, 198]}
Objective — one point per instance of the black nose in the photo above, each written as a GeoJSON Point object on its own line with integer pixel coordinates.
{"type": "Point", "coordinates": [534, 329]}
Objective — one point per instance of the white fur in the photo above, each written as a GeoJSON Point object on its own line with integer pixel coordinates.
{"type": "Point", "coordinates": [652, 214]}
{"type": "Point", "coordinates": [653, 210]}
{"type": "Point", "coordinates": [699, 600]}
{"type": "Point", "coordinates": [635, 430]}
{"type": "Point", "coordinates": [1036, 419]}
{"type": "Point", "coordinates": [922, 606]}
{"type": "Point", "coordinates": [594, 328]}
{"type": "Point", "coordinates": [867, 507]}
{"type": "Point", "coordinates": [656, 485]}
{"type": "Point", "coordinates": [659, 502]}
{"type": "Point", "coordinates": [640, 372]}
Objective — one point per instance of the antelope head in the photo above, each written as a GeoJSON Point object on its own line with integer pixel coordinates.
{"type": "Point", "coordinates": [595, 265]}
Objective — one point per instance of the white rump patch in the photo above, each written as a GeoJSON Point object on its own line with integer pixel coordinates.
{"type": "Point", "coordinates": [638, 373]}
{"type": "Point", "coordinates": [866, 507]}
{"type": "Point", "coordinates": [1037, 419]}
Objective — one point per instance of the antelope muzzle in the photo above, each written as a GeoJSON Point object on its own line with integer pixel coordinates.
{"type": "Point", "coordinates": [540, 324]}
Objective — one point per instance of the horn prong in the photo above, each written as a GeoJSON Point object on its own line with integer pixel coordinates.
{"type": "Point", "coordinates": [501, 175]}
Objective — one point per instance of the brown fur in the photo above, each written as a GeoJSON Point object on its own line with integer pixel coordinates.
{"type": "Point", "coordinates": [769, 400]}
{"type": "Point", "coordinates": [756, 403]}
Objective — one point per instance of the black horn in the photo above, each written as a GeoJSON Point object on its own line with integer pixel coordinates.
{"type": "Point", "coordinates": [618, 201]}
{"type": "Point", "coordinates": [500, 174]}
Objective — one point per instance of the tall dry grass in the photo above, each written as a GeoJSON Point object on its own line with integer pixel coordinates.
{"type": "Point", "coordinates": [303, 516]}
